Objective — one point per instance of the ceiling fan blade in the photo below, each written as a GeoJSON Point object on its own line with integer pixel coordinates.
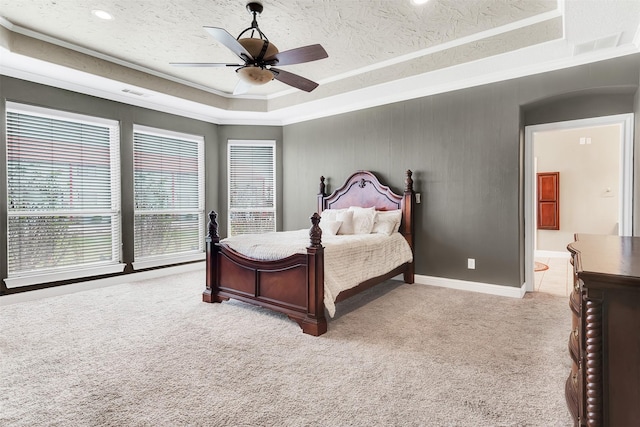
{"type": "Point", "coordinates": [203, 64]}
{"type": "Point", "coordinates": [297, 56]}
{"type": "Point", "coordinates": [294, 80]}
{"type": "Point", "coordinates": [223, 36]}
{"type": "Point", "coordinates": [241, 87]}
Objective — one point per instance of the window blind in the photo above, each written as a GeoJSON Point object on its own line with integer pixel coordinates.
{"type": "Point", "coordinates": [252, 184]}
{"type": "Point", "coordinates": [63, 182]}
{"type": "Point", "coordinates": [169, 194]}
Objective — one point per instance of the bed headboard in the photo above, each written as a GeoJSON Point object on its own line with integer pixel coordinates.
{"type": "Point", "coordinates": [364, 189]}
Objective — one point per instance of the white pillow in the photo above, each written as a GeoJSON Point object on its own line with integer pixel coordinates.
{"type": "Point", "coordinates": [385, 226]}
{"type": "Point", "coordinates": [330, 214]}
{"type": "Point", "coordinates": [330, 227]}
{"type": "Point", "coordinates": [386, 220]}
{"type": "Point", "coordinates": [363, 219]}
{"type": "Point", "coordinates": [346, 217]}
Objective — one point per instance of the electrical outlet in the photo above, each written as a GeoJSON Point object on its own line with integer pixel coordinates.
{"type": "Point", "coordinates": [417, 197]}
{"type": "Point", "coordinates": [471, 263]}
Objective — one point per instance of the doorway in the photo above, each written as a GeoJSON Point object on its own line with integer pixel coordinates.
{"type": "Point", "coordinates": [624, 122]}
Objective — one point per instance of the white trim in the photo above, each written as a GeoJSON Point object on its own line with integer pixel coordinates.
{"type": "Point", "coordinates": [167, 260]}
{"type": "Point", "coordinates": [34, 279]}
{"type": "Point", "coordinates": [625, 214]}
{"type": "Point", "coordinates": [636, 38]}
{"type": "Point", "coordinates": [98, 283]}
{"type": "Point", "coordinates": [626, 176]}
{"type": "Point", "coordinates": [464, 285]}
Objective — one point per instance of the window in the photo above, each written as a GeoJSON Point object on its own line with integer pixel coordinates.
{"type": "Point", "coordinates": [252, 187]}
{"type": "Point", "coordinates": [63, 210]}
{"type": "Point", "coordinates": [169, 197]}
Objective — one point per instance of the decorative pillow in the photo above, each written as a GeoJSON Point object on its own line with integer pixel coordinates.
{"type": "Point", "coordinates": [330, 214]}
{"type": "Point", "coordinates": [330, 227]}
{"type": "Point", "coordinates": [386, 220]}
{"type": "Point", "coordinates": [384, 226]}
{"type": "Point", "coordinates": [363, 219]}
{"type": "Point", "coordinates": [346, 217]}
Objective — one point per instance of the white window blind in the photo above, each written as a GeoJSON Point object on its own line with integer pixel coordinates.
{"type": "Point", "coordinates": [252, 187]}
{"type": "Point", "coordinates": [169, 197]}
{"type": "Point", "coordinates": [63, 176]}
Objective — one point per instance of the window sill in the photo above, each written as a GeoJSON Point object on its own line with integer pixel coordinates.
{"type": "Point", "coordinates": [167, 260]}
{"type": "Point", "coordinates": [62, 275]}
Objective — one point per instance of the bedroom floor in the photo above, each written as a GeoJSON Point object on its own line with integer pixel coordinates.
{"type": "Point", "coordinates": [557, 279]}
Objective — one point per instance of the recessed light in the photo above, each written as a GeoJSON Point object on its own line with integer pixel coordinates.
{"type": "Point", "coordinates": [102, 14]}
{"type": "Point", "coordinates": [418, 2]}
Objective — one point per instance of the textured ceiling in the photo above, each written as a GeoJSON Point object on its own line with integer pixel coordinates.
{"type": "Point", "coordinates": [370, 42]}
{"type": "Point", "coordinates": [355, 33]}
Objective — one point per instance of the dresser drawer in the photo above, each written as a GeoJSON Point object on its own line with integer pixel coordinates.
{"type": "Point", "coordinates": [575, 303]}
{"type": "Point", "coordinates": [574, 346]}
{"type": "Point", "coordinates": [572, 394]}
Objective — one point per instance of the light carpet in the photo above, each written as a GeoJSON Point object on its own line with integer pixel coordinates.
{"type": "Point", "coordinates": [150, 353]}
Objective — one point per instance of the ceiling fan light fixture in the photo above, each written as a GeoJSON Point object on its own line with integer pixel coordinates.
{"type": "Point", "coordinates": [255, 75]}
{"type": "Point", "coordinates": [254, 47]}
{"type": "Point", "coordinates": [260, 57]}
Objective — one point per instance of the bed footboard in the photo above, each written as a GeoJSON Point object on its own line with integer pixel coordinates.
{"type": "Point", "coordinates": [293, 285]}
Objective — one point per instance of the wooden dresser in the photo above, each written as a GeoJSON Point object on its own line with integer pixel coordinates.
{"type": "Point", "coordinates": [603, 388]}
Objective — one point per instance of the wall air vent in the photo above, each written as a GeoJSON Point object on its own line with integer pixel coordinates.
{"type": "Point", "coordinates": [597, 44]}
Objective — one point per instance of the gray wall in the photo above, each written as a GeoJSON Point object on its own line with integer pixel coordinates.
{"type": "Point", "coordinates": [587, 103]}
{"type": "Point", "coordinates": [466, 149]}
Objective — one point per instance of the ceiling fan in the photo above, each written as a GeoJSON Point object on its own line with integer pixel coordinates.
{"type": "Point", "coordinates": [260, 56]}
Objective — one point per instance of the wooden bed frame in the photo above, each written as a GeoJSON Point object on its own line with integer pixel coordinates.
{"type": "Point", "coordinates": [295, 285]}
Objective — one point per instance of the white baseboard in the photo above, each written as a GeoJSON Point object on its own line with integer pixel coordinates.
{"type": "Point", "coordinates": [98, 283]}
{"type": "Point", "coordinates": [552, 254]}
{"type": "Point", "coordinates": [485, 288]}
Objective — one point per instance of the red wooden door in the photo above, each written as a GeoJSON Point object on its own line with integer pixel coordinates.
{"type": "Point", "coordinates": [549, 201]}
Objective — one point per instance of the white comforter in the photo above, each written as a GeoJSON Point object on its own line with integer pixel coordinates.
{"type": "Point", "coordinates": [348, 259]}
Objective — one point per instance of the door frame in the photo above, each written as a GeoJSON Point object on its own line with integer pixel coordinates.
{"type": "Point", "coordinates": [625, 207]}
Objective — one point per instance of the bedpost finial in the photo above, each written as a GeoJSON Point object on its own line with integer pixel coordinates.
{"type": "Point", "coordinates": [408, 182]}
{"type": "Point", "coordinates": [322, 186]}
{"type": "Point", "coordinates": [315, 233]}
{"type": "Point", "coordinates": [213, 225]}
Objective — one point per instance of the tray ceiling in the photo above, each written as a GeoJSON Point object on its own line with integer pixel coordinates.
{"type": "Point", "coordinates": [373, 46]}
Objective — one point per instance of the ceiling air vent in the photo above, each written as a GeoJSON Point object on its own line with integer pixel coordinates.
{"type": "Point", "coordinates": [593, 45]}
{"type": "Point", "coordinates": [134, 92]}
